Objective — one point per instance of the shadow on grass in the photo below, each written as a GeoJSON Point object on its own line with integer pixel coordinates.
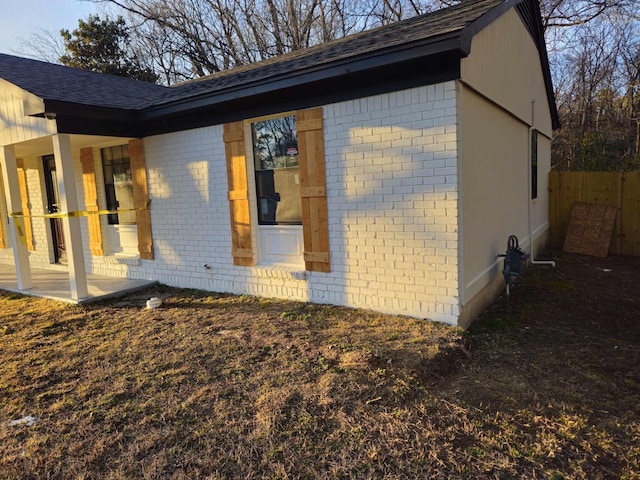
{"type": "Point", "coordinates": [546, 387]}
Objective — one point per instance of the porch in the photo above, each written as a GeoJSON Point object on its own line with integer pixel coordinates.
{"type": "Point", "coordinates": [60, 174]}
{"type": "Point", "coordinates": [54, 284]}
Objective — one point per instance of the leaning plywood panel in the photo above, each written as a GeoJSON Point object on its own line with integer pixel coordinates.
{"type": "Point", "coordinates": [619, 189]}
{"type": "Point", "coordinates": [590, 229]}
{"type": "Point", "coordinates": [630, 193]}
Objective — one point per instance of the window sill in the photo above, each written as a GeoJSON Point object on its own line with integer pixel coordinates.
{"type": "Point", "coordinates": [119, 259]}
{"type": "Point", "coordinates": [280, 270]}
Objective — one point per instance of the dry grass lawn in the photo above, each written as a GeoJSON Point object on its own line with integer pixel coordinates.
{"type": "Point", "coordinates": [216, 386]}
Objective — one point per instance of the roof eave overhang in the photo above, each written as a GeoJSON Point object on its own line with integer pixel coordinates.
{"type": "Point", "coordinates": [448, 44]}
{"type": "Point", "coordinates": [92, 119]}
{"type": "Point", "coordinates": [284, 97]}
{"type": "Point", "coordinates": [383, 70]}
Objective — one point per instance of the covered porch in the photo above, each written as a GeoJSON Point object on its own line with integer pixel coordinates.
{"type": "Point", "coordinates": [16, 190]}
{"type": "Point", "coordinates": [62, 220]}
{"type": "Point", "coordinates": [54, 284]}
{"type": "Point", "coordinates": [38, 267]}
{"type": "Point", "coordinates": [30, 262]}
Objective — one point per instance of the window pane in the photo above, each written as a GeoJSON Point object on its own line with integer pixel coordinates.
{"type": "Point", "coordinates": [118, 184]}
{"type": "Point", "coordinates": [534, 164]}
{"type": "Point", "coordinates": [275, 153]}
{"type": "Point", "coordinates": [124, 195]}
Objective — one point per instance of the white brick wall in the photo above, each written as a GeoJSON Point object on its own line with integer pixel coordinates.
{"type": "Point", "coordinates": [392, 183]}
{"type": "Point", "coordinates": [392, 187]}
{"type": "Point", "coordinates": [40, 257]}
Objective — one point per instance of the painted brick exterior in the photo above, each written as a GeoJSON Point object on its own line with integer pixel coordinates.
{"type": "Point", "coordinates": [39, 258]}
{"type": "Point", "coordinates": [391, 165]}
{"type": "Point", "coordinates": [392, 189]}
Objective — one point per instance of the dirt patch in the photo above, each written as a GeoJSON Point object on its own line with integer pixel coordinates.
{"type": "Point", "coordinates": [220, 386]}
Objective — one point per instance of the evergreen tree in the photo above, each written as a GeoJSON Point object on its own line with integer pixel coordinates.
{"type": "Point", "coordinates": [104, 46]}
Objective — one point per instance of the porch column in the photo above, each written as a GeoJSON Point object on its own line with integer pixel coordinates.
{"type": "Point", "coordinates": [71, 225]}
{"type": "Point", "coordinates": [14, 204]}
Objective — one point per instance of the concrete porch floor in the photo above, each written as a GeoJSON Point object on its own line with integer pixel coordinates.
{"type": "Point", "coordinates": [54, 284]}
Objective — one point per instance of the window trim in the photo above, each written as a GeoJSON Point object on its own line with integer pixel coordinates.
{"type": "Point", "coordinates": [114, 218]}
{"type": "Point", "coordinates": [258, 247]}
{"type": "Point", "coordinates": [313, 190]}
{"type": "Point", "coordinates": [253, 171]}
{"type": "Point", "coordinates": [533, 162]}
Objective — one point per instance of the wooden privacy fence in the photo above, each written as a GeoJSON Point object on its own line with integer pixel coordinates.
{"type": "Point", "coordinates": [618, 189]}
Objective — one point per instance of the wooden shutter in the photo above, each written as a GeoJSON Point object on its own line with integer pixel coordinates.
{"type": "Point", "coordinates": [26, 206]}
{"type": "Point", "coordinates": [141, 198]}
{"type": "Point", "coordinates": [91, 201]}
{"type": "Point", "coordinates": [313, 190]}
{"type": "Point", "coordinates": [238, 194]}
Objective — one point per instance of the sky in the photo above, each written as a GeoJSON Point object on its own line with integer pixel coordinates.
{"type": "Point", "coordinates": [20, 19]}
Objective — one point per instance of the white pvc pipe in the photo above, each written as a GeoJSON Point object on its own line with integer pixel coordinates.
{"type": "Point", "coordinates": [532, 260]}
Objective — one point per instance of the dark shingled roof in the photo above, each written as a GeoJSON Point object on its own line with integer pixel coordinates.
{"type": "Point", "coordinates": [417, 51]}
{"type": "Point", "coordinates": [56, 82]}
{"type": "Point", "coordinates": [427, 28]}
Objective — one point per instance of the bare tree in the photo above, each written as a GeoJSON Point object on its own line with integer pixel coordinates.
{"type": "Point", "coordinates": [42, 45]}
{"type": "Point", "coordinates": [630, 68]}
{"type": "Point", "coordinates": [568, 13]}
{"type": "Point", "coordinates": [215, 35]}
{"type": "Point", "coordinates": [598, 99]}
{"type": "Point", "coordinates": [593, 45]}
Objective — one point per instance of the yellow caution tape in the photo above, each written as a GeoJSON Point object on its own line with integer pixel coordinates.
{"type": "Point", "coordinates": [81, 213]}
{"type": "Point", "coordinates": [21, 234]}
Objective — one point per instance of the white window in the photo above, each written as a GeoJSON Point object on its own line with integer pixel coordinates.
{"type": "Point", "coordinates": [121, 234]}
{"type": "Point", "coordinates": [118, 184]}
{"type": "Point", "coordinates": [276, 169]}
{"type": "Point", "coordinates": [534, 164]}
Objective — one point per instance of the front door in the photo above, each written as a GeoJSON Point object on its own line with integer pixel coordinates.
{"type": "Point", "coordinates": [53, 206]}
